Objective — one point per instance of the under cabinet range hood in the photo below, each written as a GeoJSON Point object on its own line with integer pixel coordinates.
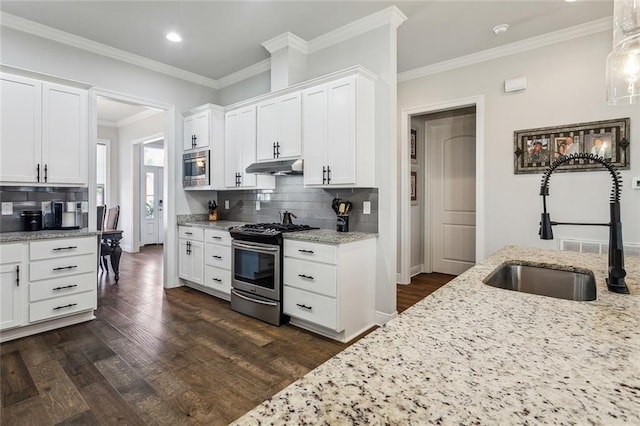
{"type": "Point", "coordinates": [277, 167]}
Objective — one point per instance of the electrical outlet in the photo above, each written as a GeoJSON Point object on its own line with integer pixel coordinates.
{"type": "Point", "coordinates": [636, 183]}
{"type": "Point", "coordinates": [226, 204]}
{"type": "Point", "coordinates": [85, 207]}
{"type": "Point", "coordinates": [257, 205]}
{"type": "Point", "coordinates": [7, 208]}
{"type": "Point", "coordinates": [366, 207]}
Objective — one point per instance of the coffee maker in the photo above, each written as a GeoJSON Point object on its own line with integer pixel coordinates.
{"type": "Point", "coordinates": [63, 215]}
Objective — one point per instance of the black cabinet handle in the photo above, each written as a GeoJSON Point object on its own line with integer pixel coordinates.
{"type": "Point", "coordinates": [305, 251]}
{"type": "Point", "coordinates": [217, 257]}
{"type": "Point", "coordinates": [193, 141]}
{"type": "Point", "coordinates": [328, 175]}
{"type": "Point", "coordinates": [217, 279]}
{"type": "Point", "coordinates": [188, 233]}
{"type": "Point", "coordinates": [63, 287]}
{"type": "Point", "coordinates": [65, 248]}
{"type": "Point", "coordinates": [17, 275]}
{"type": "Point", "coordinates": [308, 308]}
{"type": "Point", "coordinates": [61, 268]}
{"type": "Point", "coordinates": [38, 171]}
{"type": "Point", "coordinates": [65, 306]}
{"type": "Point", "coordinates": [216, 237]}
{"type": "Point", "coordinates": [309, 277]}
{"type": "Point", "coordinates": [277, 149]}
{"type": "Point", "coordinates": [274, 150]}
{"type": "Point", "coordinates": [45, 172]}
{"type": "Point", "coordinates": [324, 172]}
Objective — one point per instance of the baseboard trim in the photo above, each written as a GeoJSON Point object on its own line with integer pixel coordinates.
{"type": "Point", "coordinates": [382, 318]}
{"type": "Point", "coordinates": [39, 327]}
{"type": "Point", "coordinates": [416, 269]}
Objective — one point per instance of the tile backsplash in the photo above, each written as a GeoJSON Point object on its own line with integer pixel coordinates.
{"type": "Point", "coordinates": [30, 198]}
{"type": "Point", "coordinates": [312, 206]}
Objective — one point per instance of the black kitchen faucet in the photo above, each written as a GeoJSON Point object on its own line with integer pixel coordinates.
{"type": "Point", "coordinates": [615, 281]}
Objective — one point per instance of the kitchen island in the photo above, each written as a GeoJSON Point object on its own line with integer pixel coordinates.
{"type": "Point", "coordinates": [471, 353]}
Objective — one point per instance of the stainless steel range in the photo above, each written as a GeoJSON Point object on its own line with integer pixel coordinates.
{"type": "Point", "coordinates": [256, 267]}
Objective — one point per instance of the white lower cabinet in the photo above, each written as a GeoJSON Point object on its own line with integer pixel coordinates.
{"type": "Point", "coordinates": [205, 260]}
{"type": "Point", "coordinates": [12, 286]}
{"type": "Point", "coordinates": [47, 284]}
{"type": "Point", "coordinates": [330, 288]}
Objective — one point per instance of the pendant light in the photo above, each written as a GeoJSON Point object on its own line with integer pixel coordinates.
{"type": "Point", "coordinates": [623, 63]}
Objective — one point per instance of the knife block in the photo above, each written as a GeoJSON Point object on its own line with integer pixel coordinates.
{"type": "Point", "coordinates": [343, 224]}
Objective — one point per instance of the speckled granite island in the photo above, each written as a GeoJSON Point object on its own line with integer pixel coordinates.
{"type": "Point", "coordinates": [474, 354]}
{"type": "Point", "coordinates": [6, 237]}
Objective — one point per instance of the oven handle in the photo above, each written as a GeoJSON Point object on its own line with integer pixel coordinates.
{"type": "Point", "coordinates": [254, 300]}
{"type": "Point", "coordinates": [256, 248]}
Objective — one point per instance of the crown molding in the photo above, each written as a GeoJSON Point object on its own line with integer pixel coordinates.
{"type": "Point", "coordinates": [149, 112]}
{"type": "Point", "coordinates": [389, 16]}
{"type": "Point", "coordinates": [107, 123]}
{"type": "Point", "coordinates": [27, 26]}
{"type": "Point", "coordinates": [286, 40]}
{"type": "Point", "coordinates": [588, 28]}
{"type": "Point", "coordinates": [245, 73]}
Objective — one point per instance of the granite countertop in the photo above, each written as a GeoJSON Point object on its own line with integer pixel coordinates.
{"type": "Point", "coordinates": [7, 237]}
{"type": "Point", "coordinates": [474, 354]}
{"type": "Point", "coordinates": [222, 225]}
{"type": "Point", "coordinates": [328, 236]}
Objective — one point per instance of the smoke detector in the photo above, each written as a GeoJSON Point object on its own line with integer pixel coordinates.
{"type": "Point", "coordinates": [499, 29]}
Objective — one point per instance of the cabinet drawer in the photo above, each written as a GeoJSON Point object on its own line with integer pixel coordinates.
{"type": "Point", "coordinates": [61, 306]}
{"type": "Point", "coordinates": [311, 307]}
{"type": "Point", "coordinates": [191, 233]}
{"type": "Point", "coordinates": [311, 276]}
{"type": "Point", "coordinates": [218, 256]}
{"type": "Point", "coordinates": [11, 253]}
{"type": "Point", "coordinates": [51, 249]}
{"type": "Point", "coordinates": [311, 251]}
{"type": "Point", "coordinates": [61, 286]}
{"type": "Point", "coordinates": [54, 268]}
{"type": "Point", "coordinates": [217, 236]}
{"type": "Point", "coordinates": [219, 279]}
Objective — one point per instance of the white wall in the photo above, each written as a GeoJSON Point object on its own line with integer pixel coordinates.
{"type": "Point", "coordinates": [246, 89]}
{"type": "Point", "coordinates": [111, 133]}
{"type": "Point", "coordinates": [566, 85]}
{"type": "Point", "coordinates": [36, 54]}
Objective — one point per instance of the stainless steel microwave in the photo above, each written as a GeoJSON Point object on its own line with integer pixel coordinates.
{"type": "Point", "coordinates": [196, 168]}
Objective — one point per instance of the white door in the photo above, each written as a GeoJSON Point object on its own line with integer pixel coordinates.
{"type": "Point", "coordinates": [64, 134]}
{"type": "Point", "coordinates": [342, 131]}
{"type": "Point", "coordinates": [267, 123]}
{"type": "Point", "coordinates": [152, 205]}
{"type": "Point", "coordinates": [289, 142]}
{"type": "Point", "coordinates": [231, 148]}
{"type": "Point", "coordinates": [452, 164]}
{"type": "Point", "coordinates": [247, 146]}
{"type": "Point", "coordinates": [314, 130]}
{"type": "Point", "coordinates": [21, 133]}
{"type": "Point", "coordinates": [10, 303]}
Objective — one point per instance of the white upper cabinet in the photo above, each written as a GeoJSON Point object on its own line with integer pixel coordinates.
{"type": "Point", "coordinates": [197, 130]}
{"type": "Point", "coordinates": [44, 132]}
{"type": "Point", "coordinates": [279, 128]}
{"type": "Point", "coordinates": [240, 150]}
{"type": "Point", "coordinates": [204, 129]}
{"type": "Point", "coordinates": [338, 133]}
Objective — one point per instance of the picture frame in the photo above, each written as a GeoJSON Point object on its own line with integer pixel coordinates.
{"type": "Point", "coordinates": [414, 187]}
{"type": "Point", "coordinates": [414, 145]}
{"type": "Point", "coordinates": [536, 149]}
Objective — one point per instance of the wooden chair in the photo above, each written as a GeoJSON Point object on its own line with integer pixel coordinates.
{"type": "Point", "coordinates": [111, 222]}
{"type": "Point", "coordinates": [101, 213]}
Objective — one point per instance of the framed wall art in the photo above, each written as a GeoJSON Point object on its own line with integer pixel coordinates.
{"type": "Point", "coordinates": [536, 149]}
{"type": "Point", "coordinates": [414, 145]}
{"type": "Point", "coordinates": [414, 187]}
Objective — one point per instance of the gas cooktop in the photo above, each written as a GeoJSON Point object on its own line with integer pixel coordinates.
{"type": "Point", "coordinates": [269, 228]}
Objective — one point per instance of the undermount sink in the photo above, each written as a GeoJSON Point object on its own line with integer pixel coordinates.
{"type": "Point", "coordinates": [543, 281]}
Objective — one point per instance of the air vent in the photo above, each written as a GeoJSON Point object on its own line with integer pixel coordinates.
{"type": "Point", "coordinates": [597, 247]}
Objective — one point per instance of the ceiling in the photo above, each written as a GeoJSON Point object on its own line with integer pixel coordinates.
{"type": "Point", "coordinates": [221, 37]}
{"type": "Point", "coordinates": [117, 114]}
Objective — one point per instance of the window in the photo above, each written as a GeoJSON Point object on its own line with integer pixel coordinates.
{"type": "Point", "coordinates": [102, 166]}
{"type": "Point", "coordinates": [153, 156]}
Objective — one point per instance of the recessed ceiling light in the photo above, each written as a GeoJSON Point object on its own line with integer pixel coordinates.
{"type": "Point", "coordinates": [499, 29]}
{"type": "Point", "coordinates": [569, 1]}
{"type": "Point", "coordinates": [174, 37]}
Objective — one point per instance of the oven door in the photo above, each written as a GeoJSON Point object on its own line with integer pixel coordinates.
{"type": "Point", "coordinates": [255, 268]}
{"type": "Point", "coordinates": [195, 169]}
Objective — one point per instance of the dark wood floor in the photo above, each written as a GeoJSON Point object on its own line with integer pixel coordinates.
{"type": "Point", "coordinates": [156, 356]}
{"type": "Point", "coordinates": [421, 286]}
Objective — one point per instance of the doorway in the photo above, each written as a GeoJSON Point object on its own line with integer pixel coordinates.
{"type": "Point", "coordinates": [421, 174]}
{"type": "Point", "coordinates": [151, 193]}
{"type": "Point", "coordinates": [444, 210]}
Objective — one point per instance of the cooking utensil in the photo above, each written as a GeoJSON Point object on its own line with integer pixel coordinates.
{"type": "Point", "coordinates": [347, 209]}
{"type": "Point", "coordinates": [341, 209]}
{"type": "Point", "coordinates": [286, 218]}
{"type": "Point", "coordinates": [335, 203]}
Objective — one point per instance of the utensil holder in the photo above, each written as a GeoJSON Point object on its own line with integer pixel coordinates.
{"type": "Point", "coordinates": [343, 224]}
